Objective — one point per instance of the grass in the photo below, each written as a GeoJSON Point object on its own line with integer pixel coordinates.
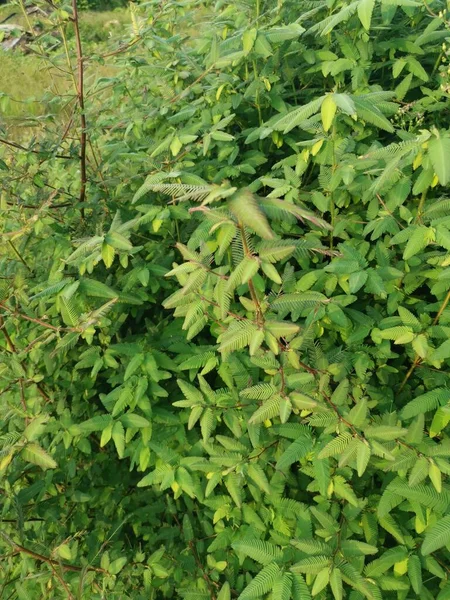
{"type": "Point", "coordinates": [28, 83]}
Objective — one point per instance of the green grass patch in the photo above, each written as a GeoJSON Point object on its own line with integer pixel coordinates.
{"type": "Point", "coordinates": [29, 84]}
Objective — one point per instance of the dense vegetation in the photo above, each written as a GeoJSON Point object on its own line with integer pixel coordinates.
{"type": "Point", "coordinates": [224, 308]}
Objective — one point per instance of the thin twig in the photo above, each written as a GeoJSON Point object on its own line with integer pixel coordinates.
{"type": "Point", "coordinates": [27, 318]}
{"type": "Point", "coordinates": [417, 358]}
{"type": "Point", "coordinates": [251, 287]}
{"type": "Point", "coordinates": [7, 337]}
{"type": "Point", "coordinates": [13, 349]}
{"type": "Point", "coordinates": [211, 584]}
{"type": "Point", "coordinates": [121, 49]}
{"type": "Point", "coordinates": [80, 93]}
{"type": "Point", "coordinates": [17, 253]}
{"type": "Point", "coordinates": [19, 147]}
{"type": "Point", "coordinates": [47, 559]}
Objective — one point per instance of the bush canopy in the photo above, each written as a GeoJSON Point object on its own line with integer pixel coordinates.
{"type": "Point", "coordinates": [224, 309]}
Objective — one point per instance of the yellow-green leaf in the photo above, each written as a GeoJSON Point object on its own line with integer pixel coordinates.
{"type": "Point", "coordinates": [435, 476]}
{"type": "Point", "coordinates": [328, 111]}
{"type": "Point", "coordinates": [362, 457]}
{"type": "Point", "coordinates": [365, 9]}
{"type": "Point", "coordinates": [439, 153]}
{"type": "Point", "coordinates": [107, 254]}
{"type": "Point", "coordinates": [64, 552]}
{"type": "Point", "coordinates": [321, 581]}
{"type": "Point", "coordinates": [33, 453]}
{"type": "Point", "coordinates": [248, 39]}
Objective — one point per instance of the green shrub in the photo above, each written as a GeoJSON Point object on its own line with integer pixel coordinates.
{"type": "Point", "coordinates": [229, 376]}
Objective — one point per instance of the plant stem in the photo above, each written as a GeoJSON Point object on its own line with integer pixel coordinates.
{"type": "Point", "coordinates": [421, 203]}
{"type": "Point", "coordinates": [417, 358]}
{"type": "Point", "coordinates": [47, 559]}
{"type": "Point", "coordinates": [80, 92]}
{"type": "Point", "coordinates": [17, 253]}
{"type": "Point", "coordinates": [251, 287]}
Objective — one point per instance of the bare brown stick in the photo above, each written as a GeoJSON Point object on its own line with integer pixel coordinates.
{"type": "Point", "coordinates": [80, 93]}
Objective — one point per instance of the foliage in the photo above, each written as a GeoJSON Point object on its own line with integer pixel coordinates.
{"type": "Point", "coordinates": [225, 373]}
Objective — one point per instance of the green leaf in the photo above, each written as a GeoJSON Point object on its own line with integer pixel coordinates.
{"type": "Point", "coordinates": [311, 565]}
{"type": "Point", "coordinates": [365, 9]}
{"type": "Point", "coordinates": [435, 476]}
{"type": "Point", "coordinates": [268, 410]}
{"type": "Point", "coordinates": [64, 552]}
{"type": "Point", "coordinates": [415, 573]}
{"type": "Point", "coordinates": [244, 206]}
{"type": "Point", "coordinates": [286, 122]}
{"type": "Point", "coordinates": [257, 474]}
{"type": "Point", "coordinates": [362, 457]}
{"type": "Point", "coordinates": [107, 254]}
{"type": "Point", "coordinates": [336, 446]}
{"type": "Point", "coordinates": [328, 111]}
{"type": "Point", "coordinates": [261, 583]}
{"type": "Point", "coordinates": [437, 537]}
{"type": "Point", "coordinates": [248, 39]}
{"type": "Point", "coordinates": [118, 241]}
{"type": "Point", "coordinates": [35, 454]}
{"type": "Point", "coordinates": [294, 452]}
{"type": "Point", "coordinates": [336, 584]}
{"type": "Point", "coordinates": [426, 402]}
{"type": "Point", "coordinates": [440, 421]}
{"type": "Point", "coordinates": [233, 483]}
{"type": "Point", "coordinates": [418, 240]}
{"type": "Point", "coordinates": [357, 280]}
{"type": "Point", "coordinates": [321, 581]}
{"type": "Point", "coordinates": [258, 550]}
{"type": "Point", "coordinates": [439, 153]}
{"type": "Point", "coordinates": [225, 592]}
{"type": "Point", "coordinates": [36, 428]}
{"type": "Point", "coordinates": [133, 420]}
{"type": "Point", "coordinates": [118, 436]}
